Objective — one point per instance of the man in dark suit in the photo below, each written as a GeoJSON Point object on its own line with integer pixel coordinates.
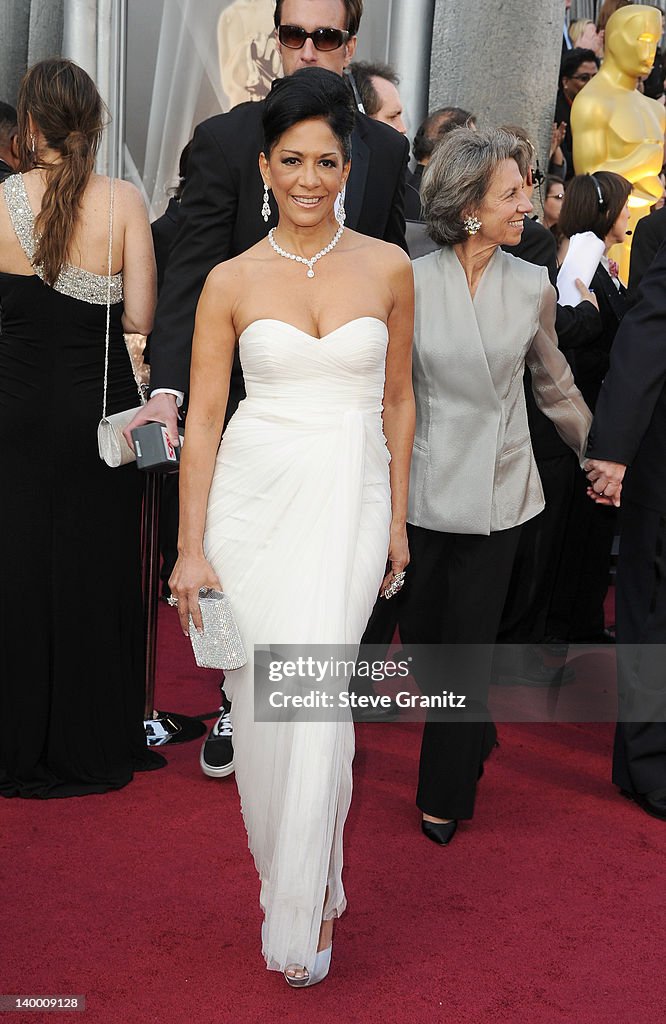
{"type": "Point", "coordinates": [649, 234]}
{"type": "Point", "coordinates": [220, 216]}
{"type": "Point", "coordinates": [629, 432]}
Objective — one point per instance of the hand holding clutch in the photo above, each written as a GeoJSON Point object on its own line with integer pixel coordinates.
{"type": "Point", "coordinates": [220, 644]}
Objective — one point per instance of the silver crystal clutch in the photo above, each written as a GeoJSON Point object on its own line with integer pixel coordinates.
{"type": "Point", "coordinates": [220, 644]}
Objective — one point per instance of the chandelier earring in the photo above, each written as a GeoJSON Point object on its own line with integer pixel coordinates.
{"type": "Point", "coordinates": [33, 143]}
{"type": "Point", "coordinates": [266, 209]}
{"type": "Point", "coordinates": [471, 225]}
{"type": "Point", "coordinates": [341, 214]}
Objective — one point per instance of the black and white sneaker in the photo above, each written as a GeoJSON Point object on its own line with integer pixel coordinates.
{"type": "Point", "coordinates": [217, 751]}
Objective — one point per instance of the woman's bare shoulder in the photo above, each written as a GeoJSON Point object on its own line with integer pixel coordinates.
{"type": "Point", "coordinates": [230, 275]}
{"type": "Point", "coordinates": [127, 198]}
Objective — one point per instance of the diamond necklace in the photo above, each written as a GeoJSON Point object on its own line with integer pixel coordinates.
{"type": "Point", "coordinates": [301, 259]}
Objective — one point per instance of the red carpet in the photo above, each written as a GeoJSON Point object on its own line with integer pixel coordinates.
{"type": "Point", "coordinates": [548, 908]}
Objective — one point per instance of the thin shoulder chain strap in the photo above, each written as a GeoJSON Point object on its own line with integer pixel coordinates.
{"type": "Point", "coordinates": [108, 297]}
{"type": "Point", "coordinates": [142, 397]}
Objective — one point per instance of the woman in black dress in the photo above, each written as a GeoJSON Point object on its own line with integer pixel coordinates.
{"type": "Point", "coordinates": [71, 621]}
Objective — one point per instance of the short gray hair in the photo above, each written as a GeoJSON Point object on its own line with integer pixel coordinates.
{"type": "Point", "coordinates": [459, 174]}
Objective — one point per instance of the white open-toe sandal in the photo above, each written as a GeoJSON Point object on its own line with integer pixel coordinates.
{"type": "Point", "coordinates": [321, 967]}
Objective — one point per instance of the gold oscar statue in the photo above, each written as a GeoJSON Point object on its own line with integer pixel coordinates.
{"type": "Point", "coordinates": [615, 127]}
{"type": "Point", "coordinates": [247, 50]}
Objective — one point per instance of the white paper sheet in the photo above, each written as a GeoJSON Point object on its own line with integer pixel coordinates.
{"type": "Point", "coordinates": [582, 259]}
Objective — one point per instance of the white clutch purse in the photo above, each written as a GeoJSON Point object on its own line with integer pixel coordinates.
{"type": "Point", "coordinates": [220, 645]}
{"type": "Point", "coordinates": [113, 447]}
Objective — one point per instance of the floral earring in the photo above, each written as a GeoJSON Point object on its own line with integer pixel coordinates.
{"type": "Point", "coordinates": [471, 225]}
{"type": "Point", "coordinates": [266, 209]}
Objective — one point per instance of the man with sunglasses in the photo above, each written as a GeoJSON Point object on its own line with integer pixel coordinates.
{"type": "Point", "coordinates": [220, 216]}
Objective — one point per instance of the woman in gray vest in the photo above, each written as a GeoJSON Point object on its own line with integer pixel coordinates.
{"type": "Point", "coordinates": [481, 316]}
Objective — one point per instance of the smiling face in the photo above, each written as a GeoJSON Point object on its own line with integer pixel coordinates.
{"type": "Point", "coordinates": [306, 170]}
{"type": "Point", "coordinates": [504, 206]}
{"type": "Point", "coordinates": [311, 15]}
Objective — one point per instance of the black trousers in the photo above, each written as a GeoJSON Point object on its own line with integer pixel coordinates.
{"type": "Point", "coordinates": [577, 604]}
{"type": "Point", "coordinates": [168, 529]}
{"type": "Point", "coordinates": [454, 594]}
{"type": "Point", "coordinates": [541, 538]}
{"type": "Point", "coordinates": [639, 758]}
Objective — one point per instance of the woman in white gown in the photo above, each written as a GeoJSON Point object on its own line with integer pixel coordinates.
{"type": "Point", "coordinates": [296, 512]}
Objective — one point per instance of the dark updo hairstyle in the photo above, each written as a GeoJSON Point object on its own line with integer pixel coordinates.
{"type": "Point", "coordinates": [593, 202]}
{"type": "Point", "coordinates": [66, 107]}
{"type": "Point", "coordinates": [307, 94]}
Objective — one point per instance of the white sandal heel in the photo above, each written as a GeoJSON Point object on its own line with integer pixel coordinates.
{"type": "Point", "coordinates": [321, 968]}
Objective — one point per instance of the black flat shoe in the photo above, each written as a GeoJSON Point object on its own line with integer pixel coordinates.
{"type": "Point", "coordinates": [441, 832]}
{"type": "Point", "coordinates": [653, 803]}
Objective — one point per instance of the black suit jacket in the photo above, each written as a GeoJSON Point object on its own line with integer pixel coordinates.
{"type": "Point", "coordinates": [220, 217]}
{"type": "Point", "coordinates": [590, 362]}
{"type": "Point", "coordinates": [649, 234]}
{"type": "Point", "coordinates": [630, 421]}
{"type": "Point", "coordinates": [413, 208]}
{"type": "Point", "coordinates": [164, 231]}
{"type": "Point", "coordinates": [575, 325]}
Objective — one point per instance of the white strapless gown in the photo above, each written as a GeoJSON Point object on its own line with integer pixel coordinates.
{"type": "Point", "coordinates": [298, 529]}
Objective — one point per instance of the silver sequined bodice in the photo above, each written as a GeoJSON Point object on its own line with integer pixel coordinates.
{"type": "Point", "coordinates": [73, 281]}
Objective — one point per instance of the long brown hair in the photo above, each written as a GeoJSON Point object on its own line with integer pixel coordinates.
{"type": "Point", "coordinates": [66, 107]}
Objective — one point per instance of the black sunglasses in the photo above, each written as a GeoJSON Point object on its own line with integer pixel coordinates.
{"type": "Point", "coordinates": [294, 37]}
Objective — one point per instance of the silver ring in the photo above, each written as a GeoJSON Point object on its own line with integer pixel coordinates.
{"type": "Point", "coordinates": [173, 601]}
